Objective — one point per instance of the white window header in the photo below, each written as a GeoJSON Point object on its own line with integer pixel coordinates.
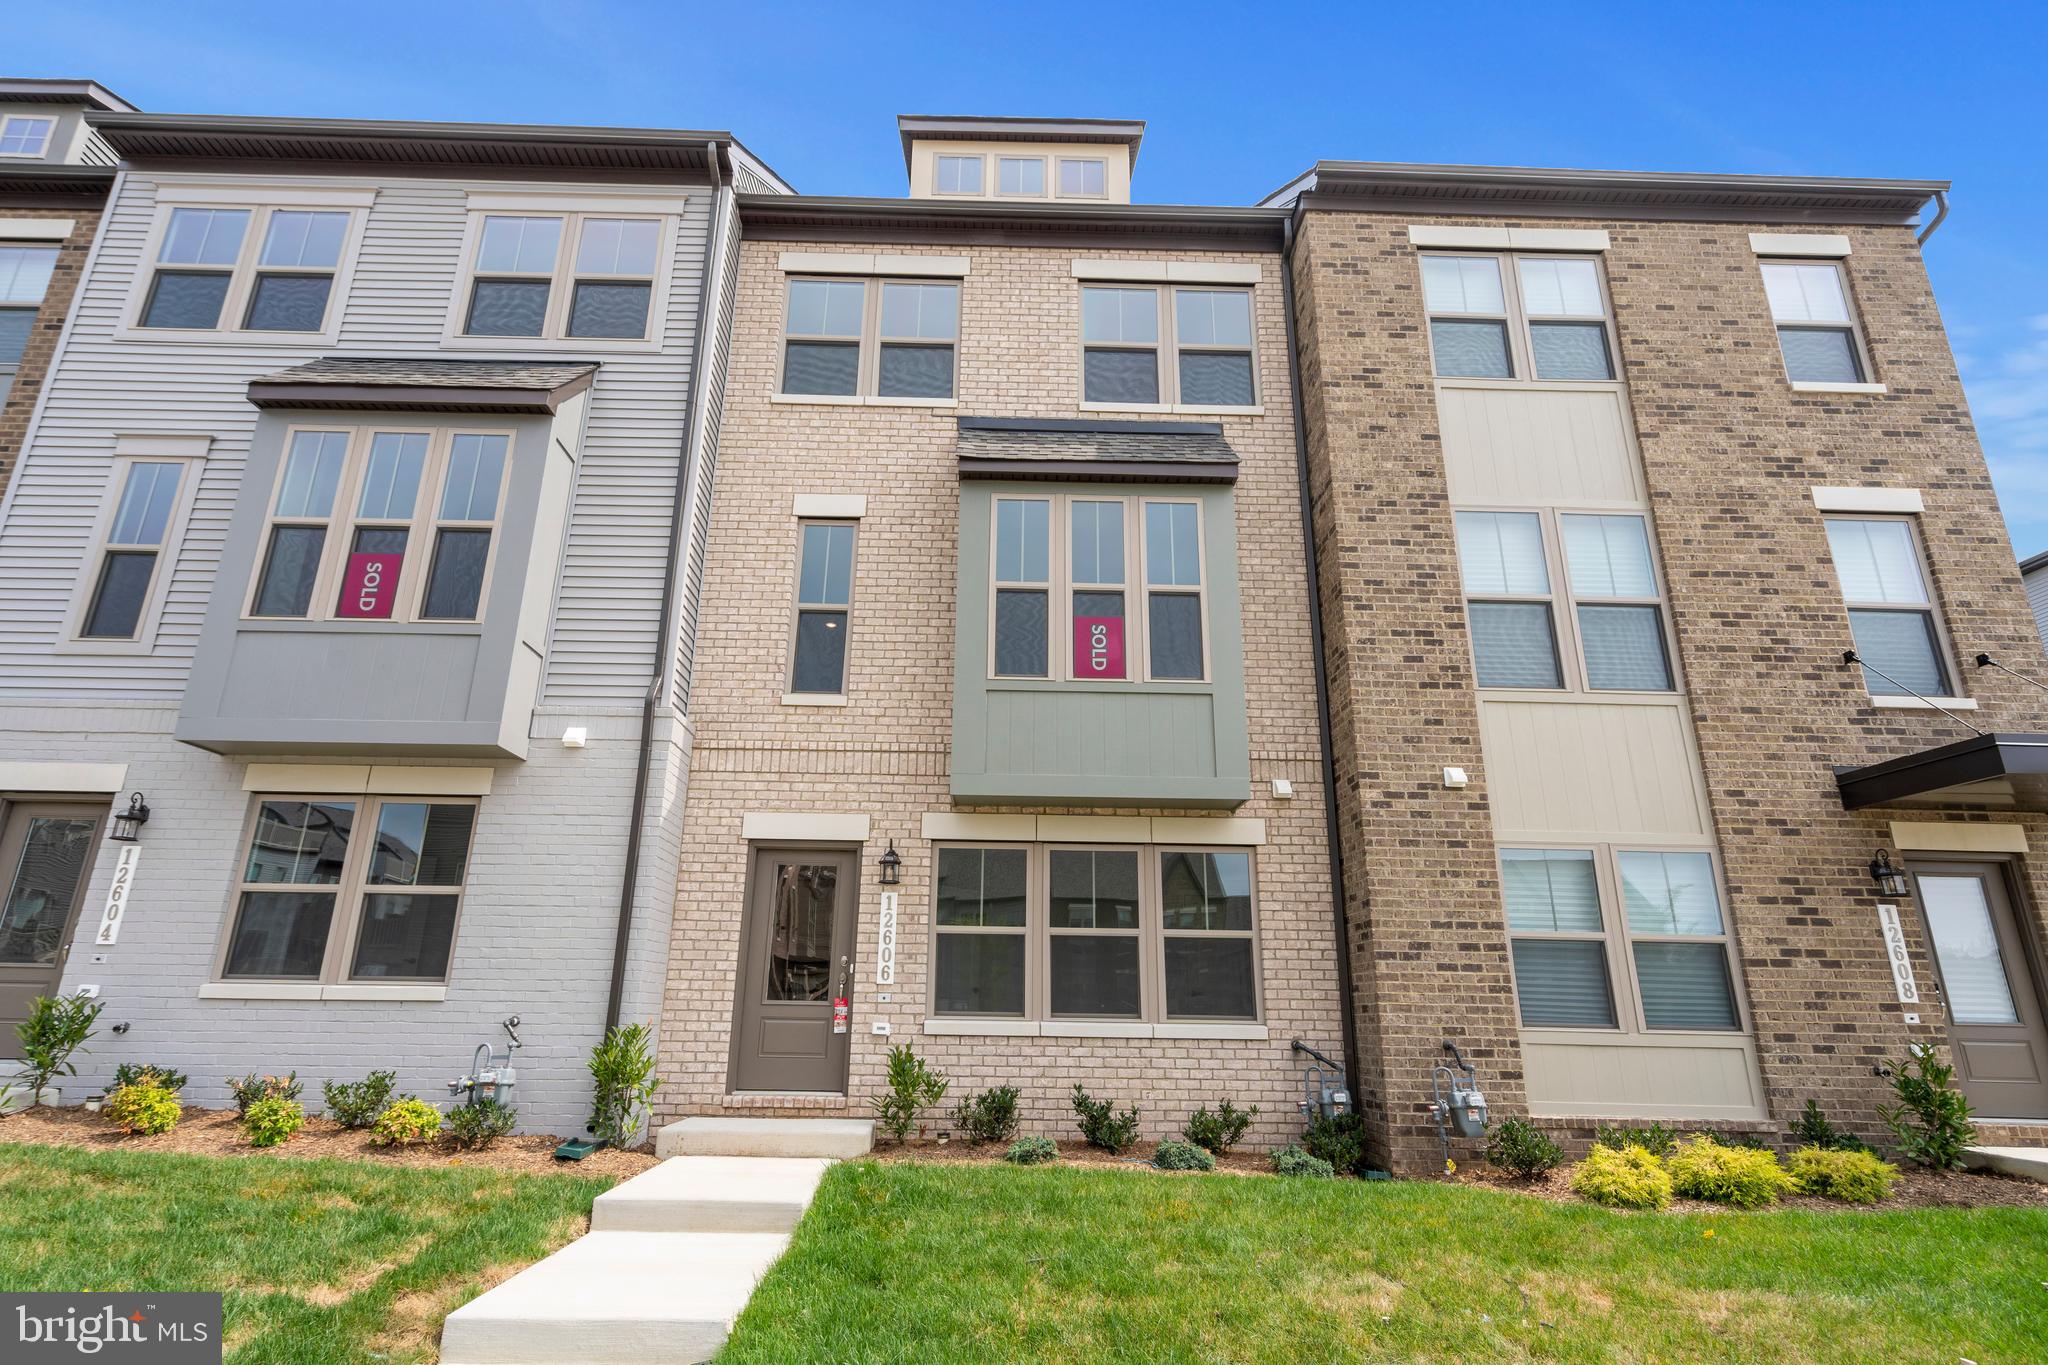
{"type": "Point", "coordinates": [1892, 500]}
{"type": "Point", "coordinates": [867, 263]}
{"type": "Point", "coordinates": [831, 506]}
{"type": "Point", "coordinates": [1507, 238]}
{"type": "Point", "coordinates": [1813, 244]}
{"type": "Point", "coordinates": [1170, 272]}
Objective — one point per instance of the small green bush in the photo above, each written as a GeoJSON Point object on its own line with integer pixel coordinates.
{"type": "Point", "coordinates": [622, 1084]}
{"type": "Point", "coordinates": [1702, 1168]}
{"type": "Point", "coordinates": [56, 1027]}
{"type": "Point", "coordinates": [406, 1120]}
{"type": "Point", "coordinates": [476, 1126]}
{"type": "Point", "coordinates": [1102, 1125]}
{"type": "Point", "coordinates": [1175, 1155]}
{"type": "Point", "coordinates": [1623, 1178]}
{"type": "Point", "coordinates": [271, 1120]}
{"type": "Point", "coordinates": [1812, 1129]}
{"type": "Point", "coordinates": [356, 1104]}
{"type": "Point", "coordinates": [1338, 1139]}
{"type": "Point", "coordinates": [251, 1088]}
{"type": "Point", "coordinates": [1292, 1161]}
{"type": "Point", "coordinates": [1522, 1149]}
{"type": "Point", "coordinates": [130, 1073]}
{"type": "Point", "coordinates": [1032, 1151]}
{"type": "Point", "coordinates": [1932, 1119]}
{"type": "Point", "coordinates": [1221, 1130]}
{"type": "Point", "coordinates": [144, 1107]}
{"type": "Point", "coordinates": [1653, 1138]}
{"type": "Point", "coordinates": [1832, 1173]}
{"type": "Point", "coordinates": [990, 1116]}
{"type": "Point", "coordinates": [914, 1086]}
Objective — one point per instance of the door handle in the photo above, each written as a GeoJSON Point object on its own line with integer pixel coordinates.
{"type": "Point", "coordinates": [845, 978]}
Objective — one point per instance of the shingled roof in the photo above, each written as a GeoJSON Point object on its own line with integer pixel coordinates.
{"type": "Point", "coordinates": [1053, 448]}
{"type": "Point", "coordinates": [424, 385]}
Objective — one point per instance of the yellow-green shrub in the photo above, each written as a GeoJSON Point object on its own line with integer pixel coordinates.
{"type": "Point", "coordinates": [1746, 1177]}
{"type": "Point", "coordinates": [407, 1120]}
{"type": "Point", "coordinates": [270, 1121]}
{"type": "Point", "coordinates": [1858, 1177]}
{"type": "Point", "coordinates": [1628, 1178]}
{"type": "Point", "coordinates": [145, 1107]}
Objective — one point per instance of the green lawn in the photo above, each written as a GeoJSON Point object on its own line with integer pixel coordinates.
{"type": "Point", "coordinates": [321, 1261]}
{"type": "Point", "coordinates": [975, 1263]}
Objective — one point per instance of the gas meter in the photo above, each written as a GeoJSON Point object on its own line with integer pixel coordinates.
{"type": "Point", "coordinates": [1457, 1103]}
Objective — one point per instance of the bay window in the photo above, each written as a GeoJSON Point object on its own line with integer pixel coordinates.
{"type": "Point", "coordinates": [1891, 609]}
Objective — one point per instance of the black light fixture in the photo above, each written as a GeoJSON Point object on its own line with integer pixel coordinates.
{"type": "Point", "coordinates": [892, 865]}
{"type": "Point", "coordinates": [129, 822]}
{"type": "Point", "coordinates": [1890, 880]}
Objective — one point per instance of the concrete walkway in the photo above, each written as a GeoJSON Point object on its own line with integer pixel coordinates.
{"type": "Point", "coordinates": [672, 1255]}
{"type": "Point", "coordinates": [2030, 1162]}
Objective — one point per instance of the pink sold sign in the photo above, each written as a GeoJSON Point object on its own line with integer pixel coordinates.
{"type": "Point", "coordinates": [369, 586]}
{"type": "Point", "coordinates": [1098, 646]}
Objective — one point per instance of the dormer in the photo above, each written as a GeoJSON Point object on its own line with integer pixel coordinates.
{"type": "Point", "coordinates": [1043, 160]}
{"type": "Point", "coordinates": [43, 121]}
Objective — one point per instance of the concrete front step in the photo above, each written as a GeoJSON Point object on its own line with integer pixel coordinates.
{"type": "Point", "coordinates": [712, 1194]}
{"type": "Point", "coordinates": [2030, 1162]}
{"type": "Point", "coordinates": [715, 1136]}
{"type": "Point", "coordinates": [615, 1298]}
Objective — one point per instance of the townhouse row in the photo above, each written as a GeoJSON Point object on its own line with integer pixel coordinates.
{"type": "Point", "coordinates": [476, 582]}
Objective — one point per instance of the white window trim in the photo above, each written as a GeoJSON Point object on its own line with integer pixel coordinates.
{"type": "Point", "coordinates": [1045, 176]}
{"type": "Point", "coordinates": [562, 280]}
{"type": "Point", "coordinates": [868, 366]}
{"type": "Point", "coordinates": [1955, 699]}
{"type": "Point", "coordinates": [1166, 351]}
{"type": "Point", "coordinates": [421, 529]}
{"type": "Point", "coordinates": [261, 202]}
{"type": "Point", "coordinates": [49, 135]}
{"type": "Point", "coordinates": [128, 453]}
{"type": "Point", "coordinates": [983, 190]}
{"type": "Point", "coordinates": [1517, 320]}
{"type": "Point", "coordinates": [797, 608]}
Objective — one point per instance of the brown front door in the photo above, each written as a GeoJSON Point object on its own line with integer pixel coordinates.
{"type": "Point", "coordinates": [45, 853]}
{"type": "Point", "coordinates": [1989, 986]}
{"type": "Point", "coordinates": [796, 957]}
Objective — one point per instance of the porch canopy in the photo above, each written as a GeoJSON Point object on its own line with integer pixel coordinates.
{"type": "Point", "coordinates": [1999, 772]}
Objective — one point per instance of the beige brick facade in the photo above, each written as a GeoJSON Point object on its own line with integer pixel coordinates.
{"type": "Point", "coordinates": [49, 325]}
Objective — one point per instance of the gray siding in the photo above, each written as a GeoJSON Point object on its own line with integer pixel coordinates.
{"type": "Point", "coordinates": [719, 327]}
{"type": "Point", "coordinates": [2037, 594]}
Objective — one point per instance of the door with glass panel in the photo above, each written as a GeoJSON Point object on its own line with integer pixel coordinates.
{"type": "Point", "coordinates": [1989, 987]}
{"type": "Point", "coordinates": [46, 852]}
{"type": "Point", "coordinates": [796, 959]}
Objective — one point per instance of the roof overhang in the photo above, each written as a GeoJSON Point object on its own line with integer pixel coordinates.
{"type": "Point", "coordinates": [42, 184]}
{"type": "Point", "coordinates": [35, 90]}
{"type": "Point", "coordinates": [2008, 772]}
{"type": "Point", "coordinates": [1385, 186]}
{"type": "Point", "coordinates": [1083, 451]}
{"type": "Point", "coordinates": [2035, 564]}
{"type": "Point", "coordinates": [970, 128]}
{"type": "Point", "coordinates": [505, 388]}
{"type": "Point", "coordinates": [1164, 227]}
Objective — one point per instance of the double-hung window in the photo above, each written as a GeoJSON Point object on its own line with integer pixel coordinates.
{"type": "Point", "coordinates": [1816, 326]}
{"type": "Point", "coordinates": [25, 273]}
{"type": "Point", "coordinates": [1619, 613]}
{"type": "Point", "coordinates": [1174, 602]}
{"type": "Point", "coordinates": [1020, 637]}
{"type": "Point", "coordinates": [1095, 934]}
{"type": "Point", "coordinates": [1891, 610]}
{"type": "Point", "coordinates": [26, 135]}
{"type": "Point", "coordinates": [1514, 317]}
{"type": "Point", "coordinates": [1558, 937]}
{"type": "Point", "coordinates": [1205, 361]}
{"type": "Point", "coordinates": [381, 524]}
{"type": "Point", "coordinates": [575, 275]}
{"type": "Point", "coordinates": [1507, 597]}
{"type": "Point", "coordinates": [220, 269]}
{"type": "Point", "coordinates": [883, 339]}
{"type": "Point", "coordinates": [345, 888]}
{"type": "Point", "coordinates": [824, 601]}
{"type": "Point", "coordinates": [125, 580]}
{"type": "Point", "coordinates": [1082, 177]}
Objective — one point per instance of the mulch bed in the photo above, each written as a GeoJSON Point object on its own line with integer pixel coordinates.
{"type": "Point", "coordinates": [933, 1153]}
{"type": "Point", "coordinates": [214, 1132]}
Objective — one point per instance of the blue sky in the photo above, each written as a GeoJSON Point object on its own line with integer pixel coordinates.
{"type": "Point", "coordinates": [1237, 102]}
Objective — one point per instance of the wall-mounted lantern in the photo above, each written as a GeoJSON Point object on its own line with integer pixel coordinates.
{"type": "Point", "coordinates": [1890, 880]}
{"type": "Point", "coordinates": [129, 823]}
{"type": "Point", "coordinates": [892, 865]}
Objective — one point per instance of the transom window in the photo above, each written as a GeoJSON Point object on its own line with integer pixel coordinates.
{"type": "Point", "coordinates": [957, 174]}
{"type": "Point", "coordinates": [880, 338]}
{"type": "Point", "coordinates": [588, 276]}
{"type": "Point", "coordinates": [1629, 939]}
{"type": "Point", "coordinates": [1204, 361]}
{"type": "Point", "coordinates": [125, 579]}
{"type": "Point", "coordinates": [1612, 636]}
{"type": "Point", "coordinates": [25, 273]}
{"type": "Point", "coordinates": [1083, 177]}
{"type": "Point", "coordinates": [1096, 932]}
{"type": "Point", "coordinates": [824, 601]}
{"type": "Point", "coordinates": [382, 524]}
{"type": "Point", "coordinates": [1022, 176]}
{"type": "Point", "coordinates": [1062, 589]}
{"type": "Point", "coordinates": [25, 135]}
{"type": "Point", "coordinates": [1817, 330]}
{"type": "Point", "coordinates": [362, 889]}
{"type": "Point", "coordinates": [245, 270]}
{"type": "Point", "coordinates": [1891, 610]}
{"type": "Point", "coordinates": [1517, 317]}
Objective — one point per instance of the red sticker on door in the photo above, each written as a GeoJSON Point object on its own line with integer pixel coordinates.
{"type": "Point", "coordinates": [1098, 646]}
{"type": "Point", "coordinates": [369, 586]}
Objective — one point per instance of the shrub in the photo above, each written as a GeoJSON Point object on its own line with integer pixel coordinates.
{"type": "Point", "coordinates": [1175, 1155]}
{"type": "Point", "coordinates": [990, 1116]}
{"type": "Point", "coordinates": [144, 1107]}
{"type": "Point", "coordinates": [476, 1126]}
{"type": "Point", "coordinates": [1522, 1149]}
{"type": "Point", "coordinates": [1102, 1125]}
{"type": "Point", "coordinates": [356, 1104]}
{"type": "Point", "coordinates": [1833, 1173]}
{"type": "Point", "coordinates": [1292, 1161]}
{"type": "Point", "coordinates": [1623, 1178]}
{"type": "Point", "coordinates": [1032, 1151]}
{"type": "Point", "coordinates": [1932, 1119]}
{"type": "Point", "coordinates": [56, 1027]}
{"type": "Point", "coordinates": [271, 1120]}
{"type": "Point", "coordinates": [1812, 1129]}
{"type": "Point", "coordinates": [132, 1073]}
{"type": "Point", "coordinates": [406, 1120]}
{"type": "Point", "coordinates": [1218, 1132]}
{"type": "Point", "coordinates": [1338, 1139]}
{"type": "Point", "coordinates": [247, 1090]}
{"type": "Point", "coordinates": [1702, 1168]}
{"type": "Point", "coordinates": [622, 1070]}
{"type": "Point", "coordinates": [913, 1088]}
{"type": "Point", "coordinates": [1653, 1138]}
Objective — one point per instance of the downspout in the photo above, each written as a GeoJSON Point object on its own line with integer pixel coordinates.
{"type": "Point", "coordinates": [1353, 1076]}
{"type": "Point", "coordinates": [1940, 212]}
{"type": "Point", "coordinates": [664, 655]}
